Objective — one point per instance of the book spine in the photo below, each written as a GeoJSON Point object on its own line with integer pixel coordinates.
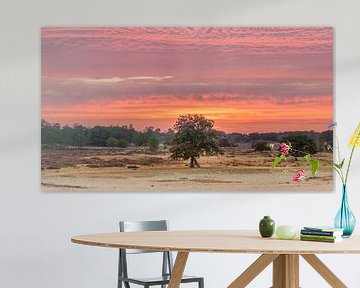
{"type": "Point", "coordinates": [318, 239]}
{"type": "Point", "coordinates": [319, 233]}
{"type": "Point", "coordinates": [319, 236]}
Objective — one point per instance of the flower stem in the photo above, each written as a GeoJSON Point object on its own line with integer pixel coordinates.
{"type": "Point", "coordinates": [338, 149]}
{"type": "Point", "coordinates": [339, 171]}
{"type": "Point", "coordinates": [348, 167]}
{"type": "Point", "coordinates": [341, 174]}
{"type": "Point", "coordinates": [351, 156]}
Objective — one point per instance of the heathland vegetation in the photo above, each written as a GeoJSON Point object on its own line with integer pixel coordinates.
{"type": "Point", "coordinates": [122, 158]}
{"type": "Point", "coordinates": [55, 135]}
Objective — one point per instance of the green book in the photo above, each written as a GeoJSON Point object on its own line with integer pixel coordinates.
{"type": "Point", "coordinates": [319, 236]}
{"type": "Point", "coordinates": [325, 240]}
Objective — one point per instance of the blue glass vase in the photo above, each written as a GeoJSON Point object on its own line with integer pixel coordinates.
{"type": "Point", "coordinates": [345, 219]}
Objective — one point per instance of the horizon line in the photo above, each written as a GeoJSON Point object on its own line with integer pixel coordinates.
{"type": "Point", "coordinates": [165, 131]}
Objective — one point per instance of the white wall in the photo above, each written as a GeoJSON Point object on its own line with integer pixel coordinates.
{"type": "Point", "coordinates": [35, 228]}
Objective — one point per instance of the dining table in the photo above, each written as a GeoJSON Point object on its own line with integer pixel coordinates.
{"type": "Point", "coordinates": [282, 254]}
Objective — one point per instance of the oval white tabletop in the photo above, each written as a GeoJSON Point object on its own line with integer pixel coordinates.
{"type": "Point", "coordinates": [216, 241]}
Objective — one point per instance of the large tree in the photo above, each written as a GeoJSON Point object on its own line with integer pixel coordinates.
{"type": "Point", "coordinates": [194, 136]}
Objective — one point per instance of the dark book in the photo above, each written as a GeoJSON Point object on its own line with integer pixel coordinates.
{"type": "Point", "coordinates": [321, 233]}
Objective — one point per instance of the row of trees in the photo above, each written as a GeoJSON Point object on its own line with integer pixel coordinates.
{"type": "Point", "coordinates": [192, 136]}
{"type": "Point", "coordinates": [123, 136]}
{"type": "Point", "coordinates": [320, 140]}
{"type": "Point", "coordinates": [102, 136]}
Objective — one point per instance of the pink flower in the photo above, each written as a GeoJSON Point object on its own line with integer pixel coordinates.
{"type": "Point", "coordinates": [284, 148]}
{"type": "Point", "coordinates": [300, 174]}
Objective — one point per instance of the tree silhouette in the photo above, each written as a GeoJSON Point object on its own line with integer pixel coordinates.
{"type": "Point", "coordinates": [194, 136]}
{"type": "Point", "coordinates": [261, 146]}
{"type": "Point", "coordinates": [154, 142]}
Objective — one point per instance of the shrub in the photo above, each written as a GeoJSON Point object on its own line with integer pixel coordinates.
{"type": "Point", "coordinates": [300, 142]}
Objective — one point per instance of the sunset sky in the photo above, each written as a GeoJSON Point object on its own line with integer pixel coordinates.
{"type": "Point", "coordinates": [246, 79]}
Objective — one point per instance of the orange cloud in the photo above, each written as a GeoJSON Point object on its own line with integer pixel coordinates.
{"type": "Point", "coordinates": [246, 79]}
{"type": "Point", "coordinates": [230, 116]}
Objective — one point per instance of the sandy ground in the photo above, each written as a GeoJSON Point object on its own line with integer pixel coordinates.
{"type": "Point", "coordinates": [140, 171]}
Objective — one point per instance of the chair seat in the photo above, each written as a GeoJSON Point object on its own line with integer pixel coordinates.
{"type": "Point", "coordinates": [158, 280]}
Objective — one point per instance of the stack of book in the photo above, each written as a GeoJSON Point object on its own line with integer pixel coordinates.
{"type": "Point", "coordinates": [321, 234]}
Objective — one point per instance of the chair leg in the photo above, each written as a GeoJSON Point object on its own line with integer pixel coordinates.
{"type": "Point", "coordinates": [165, 267]}
{"type": "Point", "coordinates": [120, 270]}
{"type": "Point", "coordinates": [201, 283]}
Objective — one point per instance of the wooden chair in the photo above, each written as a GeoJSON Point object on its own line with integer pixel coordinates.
{"type": "Point", "coordinates": [167, 262]}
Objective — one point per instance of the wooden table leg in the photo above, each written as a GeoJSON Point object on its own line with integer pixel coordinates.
{"type": "Point", "coordinates": [178, 269]}
{"type": "Point", "coordinates": [254, 269]}
{"type": "Point", "coordinates": [286, 271]}
{"type": "Point", "coordinates": [324, 271]}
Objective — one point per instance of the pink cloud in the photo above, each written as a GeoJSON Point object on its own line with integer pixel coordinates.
{"type": "Point", "coordinates": [157, 68]}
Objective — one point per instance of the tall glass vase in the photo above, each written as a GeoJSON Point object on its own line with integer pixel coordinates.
{"type": "Point", "coordinates": [345, 219]}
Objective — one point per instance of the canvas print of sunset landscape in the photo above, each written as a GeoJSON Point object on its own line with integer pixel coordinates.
{"type": "Point", "coordinates": [184, 109]}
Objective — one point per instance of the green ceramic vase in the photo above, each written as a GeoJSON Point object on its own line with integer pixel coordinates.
{"type": "Point", "coordinates": [267, 227]}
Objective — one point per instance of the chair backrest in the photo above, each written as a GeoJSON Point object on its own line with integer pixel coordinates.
{"type": "Point", "coordinates": [138, 226]}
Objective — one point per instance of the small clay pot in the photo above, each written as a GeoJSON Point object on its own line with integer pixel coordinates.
{"type": "Point", "coordinates": [266, 227]}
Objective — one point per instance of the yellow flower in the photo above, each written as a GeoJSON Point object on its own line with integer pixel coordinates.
{"type": "Point", "coordinates": [355, 138]}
